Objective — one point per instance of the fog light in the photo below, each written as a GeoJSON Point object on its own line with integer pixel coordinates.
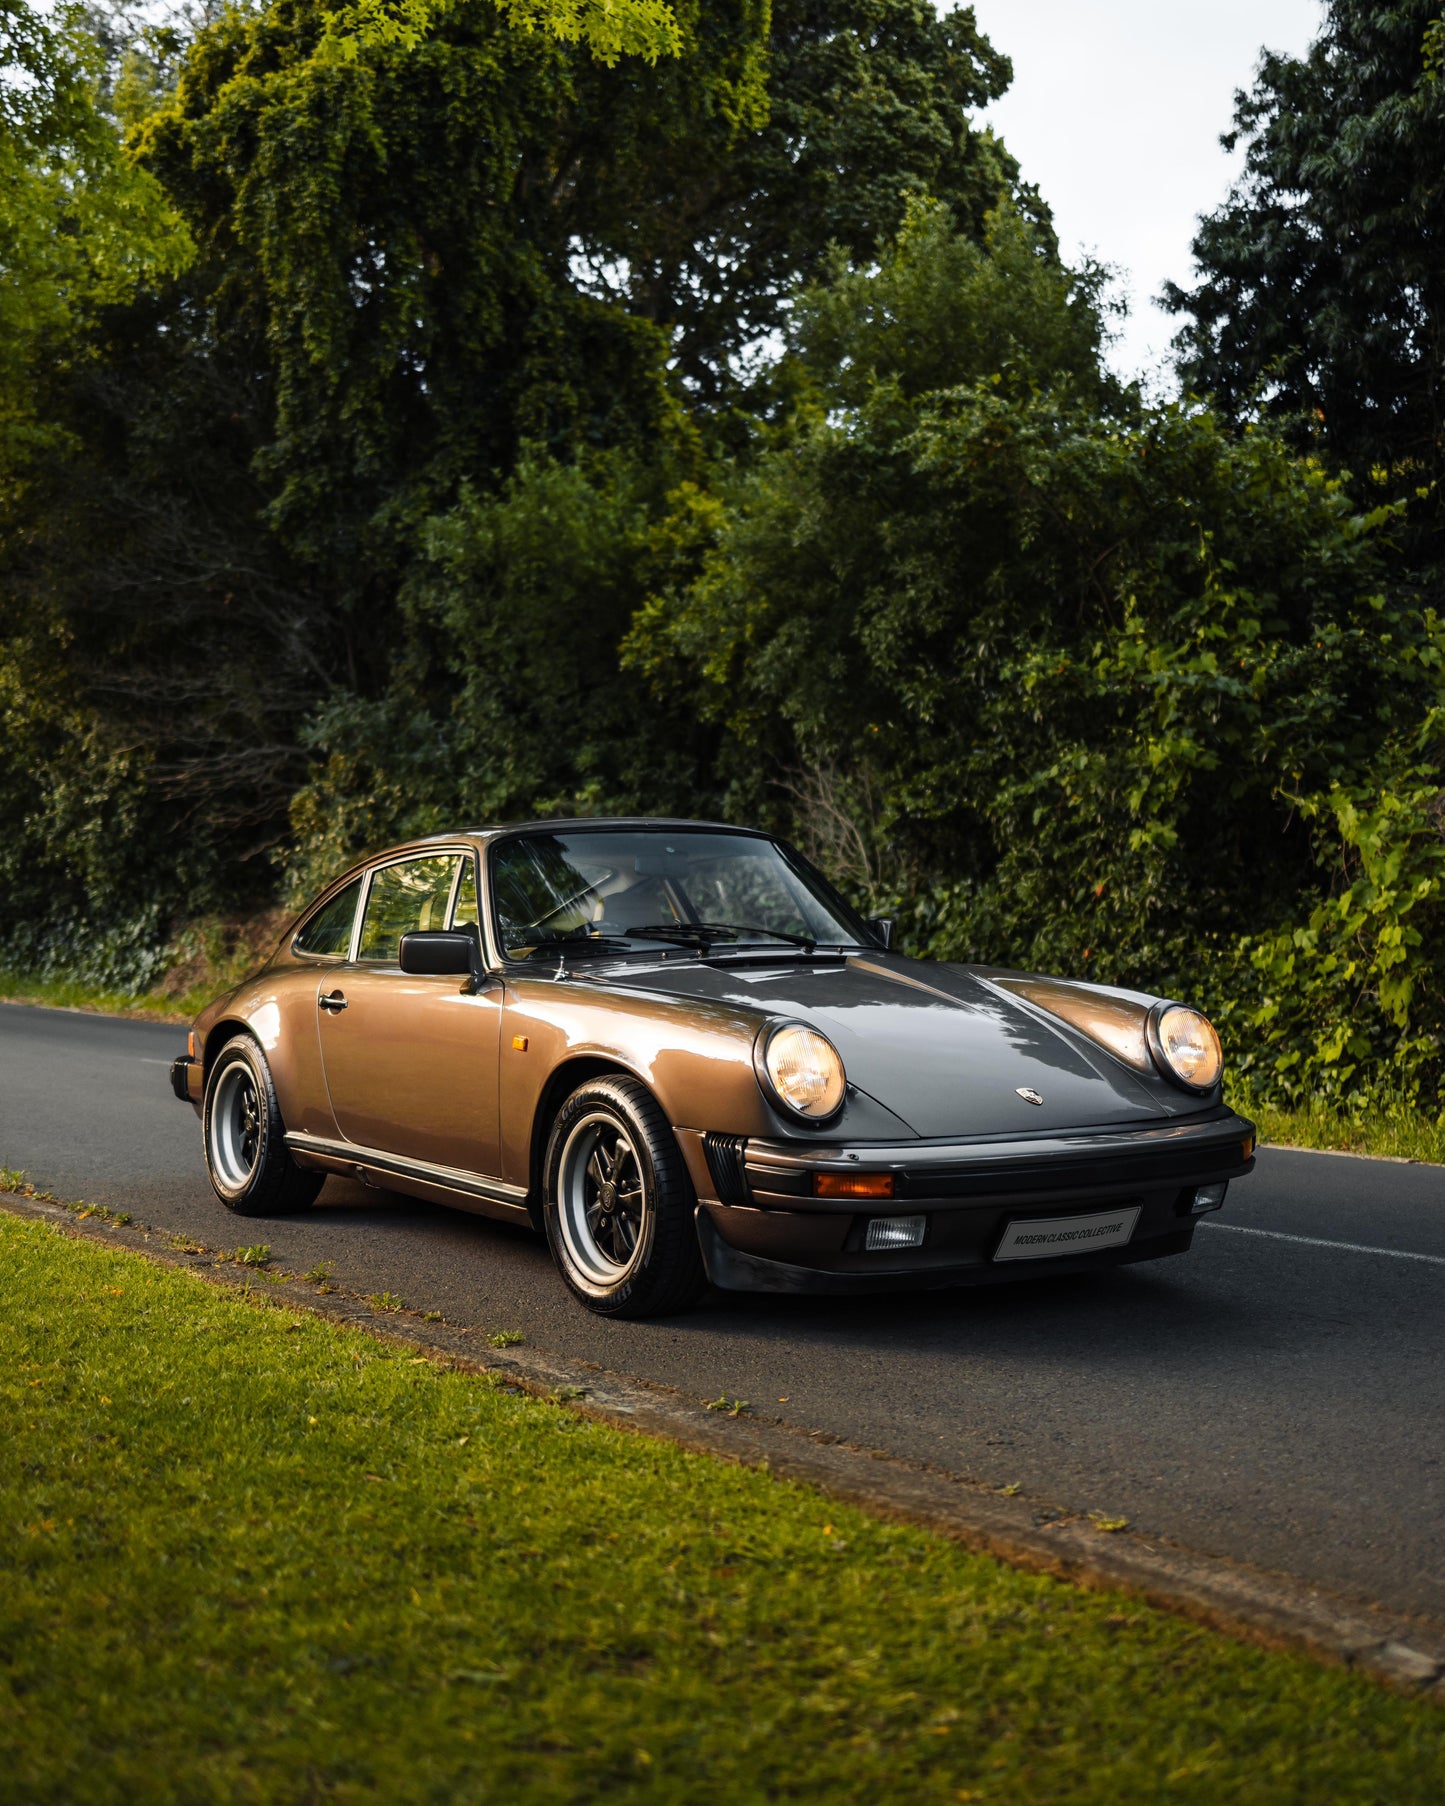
{"type": "Point", "coordinates": [894, 1232]}
{"type": "Point", "coordinates": [1208, 1197]}
{"type": "Point", "coordinates": [852, 1185]}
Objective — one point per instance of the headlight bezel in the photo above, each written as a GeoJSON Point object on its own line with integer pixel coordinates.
{"type": "Point", "coordinates": [1155, 1038]}
{"type": "Point", "coordinates": [761, 1048]}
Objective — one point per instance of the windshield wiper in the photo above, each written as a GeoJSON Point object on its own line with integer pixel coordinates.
{"type": "Point", "coordinates": [772, 934]}
{"type": "Point", "coordinates": [693, 934]}
{"type": "Point", "coordinates": [566, 944]}
{"type": "Point", "coordinates": [703, 934]}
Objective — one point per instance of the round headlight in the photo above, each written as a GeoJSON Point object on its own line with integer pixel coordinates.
{"type": "Point", "coordinates": [804, 1071]}
{"type": "Point", "coordinates": [1187, 1047]}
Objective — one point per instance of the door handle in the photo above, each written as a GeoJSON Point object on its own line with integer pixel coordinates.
{"type": "Point", "coordinates": [335, 1000]}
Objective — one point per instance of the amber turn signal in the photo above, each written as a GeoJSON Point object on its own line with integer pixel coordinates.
{"type": "Point", "coordinates": [1248, 1146]}
{"type": "Point", "coordinates": [852, 1185]}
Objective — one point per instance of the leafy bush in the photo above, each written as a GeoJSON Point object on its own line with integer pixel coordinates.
{"type": "Point", "coordinates": [1076, 683]}
{"type": "Point", "coordinates": [126, 956]}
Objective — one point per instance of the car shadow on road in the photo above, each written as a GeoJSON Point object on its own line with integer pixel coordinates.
{"type": "Point", "coordinates": [1119, 1313]}
{"type": "Point", "coordinates": [1170, 1314]}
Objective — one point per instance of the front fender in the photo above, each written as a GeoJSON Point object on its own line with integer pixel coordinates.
{"type": "Point", "coordinates": [696, 1057]}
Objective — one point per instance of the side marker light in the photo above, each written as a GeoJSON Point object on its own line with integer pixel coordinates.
{"type": "Point", "coordinates": [852, 1185]}
{"type": "Point", "coordinates": [519, 1043]}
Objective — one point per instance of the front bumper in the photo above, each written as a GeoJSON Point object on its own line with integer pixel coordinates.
{"type": "Point", "coordinates": [187, 1078]}
{"type": "Point", "coordinates": [761, 1228]}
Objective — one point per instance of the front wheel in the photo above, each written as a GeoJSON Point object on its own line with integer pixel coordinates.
{"type": "Point", "coordinates": [251, 1168]}
{"type": "Point", "coordinates": [619, 1206]}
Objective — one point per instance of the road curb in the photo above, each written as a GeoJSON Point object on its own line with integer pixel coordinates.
{"type": "Point", "coordinates": [1260, 1607]}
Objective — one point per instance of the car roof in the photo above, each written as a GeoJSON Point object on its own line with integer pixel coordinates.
{"type": "Point", "coordinates": [582, 823]}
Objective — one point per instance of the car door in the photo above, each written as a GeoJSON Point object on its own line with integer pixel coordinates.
{"type": "Point", "coordinates": [411, 1062]}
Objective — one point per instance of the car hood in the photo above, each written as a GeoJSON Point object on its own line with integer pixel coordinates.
{"type": "Point", "coordinates": [939, 1046]}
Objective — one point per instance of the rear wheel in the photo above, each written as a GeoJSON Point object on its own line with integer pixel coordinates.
{"type": "Point", "coordinates": [251, 1168]}
{"type": "Point", "coordinates": [619, 1205]}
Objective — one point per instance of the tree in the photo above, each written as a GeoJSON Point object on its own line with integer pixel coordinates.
{"type": "Point", "coordinates": [80, 228]}
{"type": "Point", "coordinates": [704, 217]}
{"type": "Point", "coordinates": [456, 287]}
{"type": "Point", "coordinates": [609, 29]}
{"type": "Point", "coordinates": [1321, 299]}
{"type": "Point", "coordinates": [1069, 682]}
{"type": "Point", "coordinates": [460, 243]}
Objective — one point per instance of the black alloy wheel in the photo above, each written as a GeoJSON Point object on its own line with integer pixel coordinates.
{"type": "Point", "coordinates": [250, 1166]}
{"type": "Point", "coordinates": [619, 1204]}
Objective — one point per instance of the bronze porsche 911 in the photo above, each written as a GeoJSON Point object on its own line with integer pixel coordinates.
{"type": "Point", "coordinates": [676, 1050]}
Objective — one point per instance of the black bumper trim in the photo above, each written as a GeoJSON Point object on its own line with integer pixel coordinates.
{"type": "Point", "coordinates": [724, 1156]}
{"type": "Point", "coordinates": [732, 1270]}
{"type": "Point", "coordinates": [991, 1167]}
{"type": "Point", "coordinates": [180, 1077]}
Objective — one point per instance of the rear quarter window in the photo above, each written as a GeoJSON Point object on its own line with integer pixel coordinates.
{"type": "Point", "coordinates": [328, 933]}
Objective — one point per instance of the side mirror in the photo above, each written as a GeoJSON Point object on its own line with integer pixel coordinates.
{"type": "Point", "coordinates": [440, 953]}
{"type": "Point", "coordinates": [882, 926]}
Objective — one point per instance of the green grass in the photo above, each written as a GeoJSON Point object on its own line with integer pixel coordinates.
{"type": "Point", "coordinates": [205, 958]}
{"type": "Point", "coordinates": [1398, 1135]}
{"type": "Point", "coordinates": [72, 994]}
{"type": "Point", "coordinates": [252, 1557]}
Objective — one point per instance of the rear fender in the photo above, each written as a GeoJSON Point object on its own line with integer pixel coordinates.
{"type": "Point", "coordinates": [278, 1010]}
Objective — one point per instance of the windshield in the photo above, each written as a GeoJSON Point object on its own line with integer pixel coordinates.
{"type": "Point", "coordinates": [639, 888]}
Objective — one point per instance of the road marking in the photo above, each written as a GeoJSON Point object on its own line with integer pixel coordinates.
{"type": "Point", "coordinates": [1313, 1241]}
{"type": "Point", "coordinates": [1289, 1147]}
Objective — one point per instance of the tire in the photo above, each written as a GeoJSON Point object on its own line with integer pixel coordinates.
{"type": "Point", "coordinates": [251, 1168]}
{"type": "Point", "coordinates": [631, 1251]}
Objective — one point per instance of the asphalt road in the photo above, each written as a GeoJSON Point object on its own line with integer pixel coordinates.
{"type": "Point", "coordinates": [1275, 1396]}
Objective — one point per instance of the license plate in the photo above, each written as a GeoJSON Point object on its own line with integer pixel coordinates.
{"type": "Point", "coordinates": [1040, 1238]}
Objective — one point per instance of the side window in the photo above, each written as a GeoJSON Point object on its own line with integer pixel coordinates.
{"type": "Point", "coordinates": [465, 914]}
{"type": "Point", "coordinates": [329, 930]}
{"type": "Point", "coordinates": [402, 898]}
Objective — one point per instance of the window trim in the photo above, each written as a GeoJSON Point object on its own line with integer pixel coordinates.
{"type": "Point", "coordinates": [451, 917]}
{"type": "Point", "coordinates": [327, 898]}
{"type": "Point", "coordinates": [411, 857]}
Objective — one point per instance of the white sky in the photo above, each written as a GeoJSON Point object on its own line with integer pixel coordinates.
{"type": "Point", "coordinates": [1115, 114]}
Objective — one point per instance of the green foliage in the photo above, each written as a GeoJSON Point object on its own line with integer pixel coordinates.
{"type": "Point", "coordinates": [1323, 277]}
{"type": "Point", "coordinates": [1348, 1007]}
{"type": "Point", "coordinates": [510, 700]}
{"type": "Point", "coordinates": [468, 337]}
{"type": "Point", "coordinates": [389, 437]}
{"type": "Point", "coordinates": [80, 227]}
{"type": "Point", "coordinates": [1071, 683]}
{"type": "Point", "coordinates": [1322, 290]}
{"type": "Point", "coordinates": [943, 308]}
{"type": "Point", "coordinates": [610, 29]}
